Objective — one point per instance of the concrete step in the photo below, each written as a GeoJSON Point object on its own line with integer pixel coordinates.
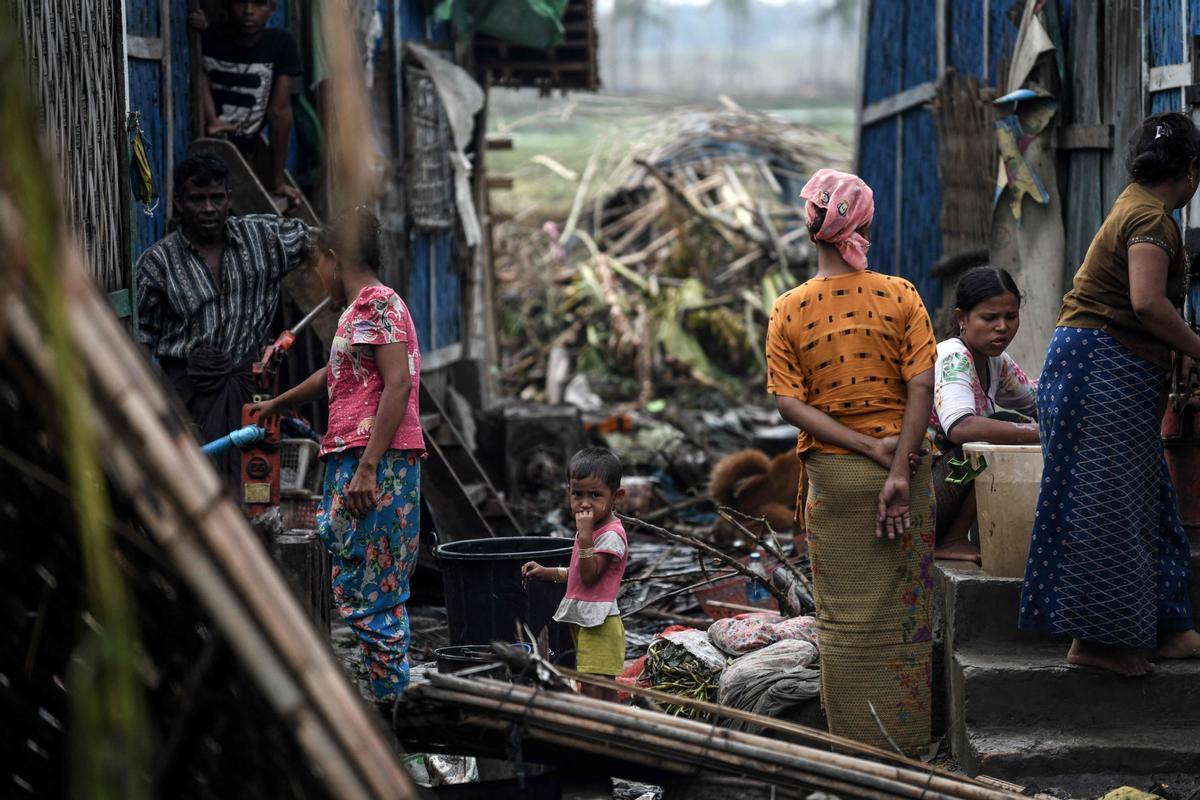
{"type": "Point", "coordinates": [1065, 760]}
{"type": "Point", "coordinates": [978, 608]}
{"type": "Point", "coordinates": [1035, 687]}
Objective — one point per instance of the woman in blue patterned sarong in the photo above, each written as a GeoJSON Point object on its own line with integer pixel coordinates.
{"type": "Point", "coordinates": [1109, 561]}
{"type": "Point", "coordinates": [372, 448]}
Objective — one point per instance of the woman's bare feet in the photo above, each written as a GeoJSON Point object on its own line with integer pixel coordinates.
{"type": "Point", "coordinates": [1181, 644]}
{"type": "Point", "coordinates": [958, 550]}
{"type": "Point", "coordinates": [1120, 660]}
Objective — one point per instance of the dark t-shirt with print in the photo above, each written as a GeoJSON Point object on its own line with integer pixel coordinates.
{"type": "Point", "coordinates": [241, 77]}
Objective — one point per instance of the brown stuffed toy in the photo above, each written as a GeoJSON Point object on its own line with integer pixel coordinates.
{"type": "Point", "coordinates": [758, 486]}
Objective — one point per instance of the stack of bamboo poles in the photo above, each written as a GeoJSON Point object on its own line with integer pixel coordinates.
{"type": "Point", "coordinates": [153, 460]}
{"type": "Point", "coordinates": [670, 744]}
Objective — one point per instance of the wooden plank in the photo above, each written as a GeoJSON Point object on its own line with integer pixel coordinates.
{"type": "Point", "coordinates": [168, 106]}
{"type": "Point", "coordinates": [442, 357]}
{"type": "Point", "coordinates": [505, 143]}
{"type": "Point", "coordinates": [1122, 97]}
{"type": "Point", "coordinates": [499, 183]}
{"type": "Point", "coordinates": [1084, 196]}
{"type": "Point", "coordinates": [1172, 76]}
{"type": "Point", "coordinates": [898, 103]}
{"type": "Point", "coordinates": [864, 27]}
{"type": "Point", "coordinates": [542, 66]}
{"type": "Point", "coordinates": [144, 48]}
{"type": "Point", "coordinates": [941, 38]}
{"type": "Point", "coordinates": [1084, 137]}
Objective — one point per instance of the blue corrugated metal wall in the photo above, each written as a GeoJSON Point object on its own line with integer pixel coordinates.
{"type": "Point", "coordinates": [141, 18]}
{"type": "Point", "coordinates": [435, 289]}
{"type": "Point", "coordinates": [904, 236]}
{"type": "Point", "coordinates": [1166, 43]}
{"type": "Point", "coordinates": [921, 208]}
{"type": "Point", "coordinates": [964, 25]}
{"type": "Point", "coordinates": [181, 83]}
{"type": "Point", "coordinates": [898, 155]}
{"type": "Point", "coordinates": [1169, 100]}
{"type": "Point", "coordinates": [1164, 23]}
{"type": "Point", "coordinates": [920, 30]}
{"type": "Point", "coordinates": [447, 295]}
{"type": "Point", "coordinates": [146, 95]}
{"type": "Point", "coordinates": [885, 31]}
{"type": "Point", "coordinates": [418, 296]}
{"type": "Point", "coordinates": [878, 169]}
{"type": "Point", "coordinates": [1004, 17]}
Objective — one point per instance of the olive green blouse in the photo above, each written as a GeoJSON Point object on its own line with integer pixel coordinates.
{"type": "Point", "coordinates": [1100, 296]}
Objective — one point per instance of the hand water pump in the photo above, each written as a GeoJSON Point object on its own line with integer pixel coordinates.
{"type": "Point", "coordinates": [260, 459]}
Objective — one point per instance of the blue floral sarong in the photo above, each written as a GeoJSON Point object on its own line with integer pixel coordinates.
{"type": "Point", "coordinates": [1109, 558]}
{"type": "Point", "coordinates": [373, 559]}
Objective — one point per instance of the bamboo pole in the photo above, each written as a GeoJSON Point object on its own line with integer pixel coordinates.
{"type": "Point", "coordinates": [907, 770]}
{"type": "Point", "coordinates": [966, 786]}
{"type": "Point", "coordinates": [783, 761]}
{"type": "Point", "coordinates": [182, 502]}
{"type": "Point", "coordinates": [353, 759]}
{"type": "Point", "coordinates": [110, 734]}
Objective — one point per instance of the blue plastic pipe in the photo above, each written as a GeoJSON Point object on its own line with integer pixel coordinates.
{"type": "Point", "coordinates": [239, 438]}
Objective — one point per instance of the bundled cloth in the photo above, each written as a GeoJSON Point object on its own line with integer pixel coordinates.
{"type": "Point", "coordinates": [686, 664]}
{"type": "Point", "coordinates": [746, 633]}
{"type": "Point", "coordinates": [771, 681]}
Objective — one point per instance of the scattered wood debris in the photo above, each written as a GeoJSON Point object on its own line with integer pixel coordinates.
{"type": "Point", "coordinates": [663, 274]}
{"type": "Point", "coordinates": [647, 738]}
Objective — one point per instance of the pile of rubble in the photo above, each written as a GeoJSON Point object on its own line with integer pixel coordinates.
{"type": "Point", "coordinates": [661, 280]}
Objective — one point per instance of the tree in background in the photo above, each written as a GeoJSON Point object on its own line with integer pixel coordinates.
{"type": "Point", "coordinates": [738, 16]}
{"type": "Point", "coordinates": [637, 16]}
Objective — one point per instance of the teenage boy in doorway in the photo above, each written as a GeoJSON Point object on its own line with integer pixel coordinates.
{"type": "Point", "coordinates": [249, 70]}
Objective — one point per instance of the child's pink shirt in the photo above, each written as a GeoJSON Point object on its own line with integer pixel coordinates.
{"type": "Point", "coordinates": [376, 317]}
{"type": "Point", "coordinates": [588, 606]}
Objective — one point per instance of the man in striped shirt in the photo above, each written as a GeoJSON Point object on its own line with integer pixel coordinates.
{"type": "Point", "coordinates": [208, 293]}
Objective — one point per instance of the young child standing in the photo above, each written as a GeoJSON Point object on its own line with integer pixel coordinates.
{"type": "Point", "coordinates": [598, 561]}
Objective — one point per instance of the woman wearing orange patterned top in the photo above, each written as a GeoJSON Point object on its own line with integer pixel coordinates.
{"type": "Point", "coordinates": [850, 357]}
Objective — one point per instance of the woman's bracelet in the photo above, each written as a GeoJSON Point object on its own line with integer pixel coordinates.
{"type": "Point", "coordinates": [562, 575]}
{"type": "Point", "coordinates": [587, 552]}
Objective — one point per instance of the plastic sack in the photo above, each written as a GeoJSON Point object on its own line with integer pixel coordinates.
{"type": "Point", "coordinates": [532, 23]}
{"type": "Point", "coordinates": [772, 680]}
{"type": "Point", "coordinates": [746, 633]}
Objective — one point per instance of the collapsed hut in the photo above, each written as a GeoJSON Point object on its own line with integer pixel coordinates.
{"type": "Point", "coordinates": [663, 274]}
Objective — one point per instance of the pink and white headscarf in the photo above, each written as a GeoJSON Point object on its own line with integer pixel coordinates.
{"type": "Point", "coordinates": [849, 204]}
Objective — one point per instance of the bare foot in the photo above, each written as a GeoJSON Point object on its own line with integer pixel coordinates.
{"type": "Point", "coordinates": [957, 550]}
{"type": "Point", "coordinates": [1120, 660]}
{"type": "Point", "coordinates": [1181, 644]}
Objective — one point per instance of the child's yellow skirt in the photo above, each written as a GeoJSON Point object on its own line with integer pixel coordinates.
{"type": "Point", "coordinates": [600, 650]}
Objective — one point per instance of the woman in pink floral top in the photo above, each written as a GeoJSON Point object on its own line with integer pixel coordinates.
{"type": "Point", "coordinates": [980, 395]}
{"type": "Point", "coordinates": [369, 518]}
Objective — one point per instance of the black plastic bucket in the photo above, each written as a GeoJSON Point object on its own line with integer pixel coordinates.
{"type": "Point", "coordinates": [485, 596]}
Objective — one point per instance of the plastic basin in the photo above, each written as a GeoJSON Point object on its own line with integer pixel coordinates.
{"type": "Point", "coordinates": [1006, 494]}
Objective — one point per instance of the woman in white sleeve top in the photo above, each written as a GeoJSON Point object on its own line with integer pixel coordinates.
{"type": "Point", "coordinates": [980, 395]}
